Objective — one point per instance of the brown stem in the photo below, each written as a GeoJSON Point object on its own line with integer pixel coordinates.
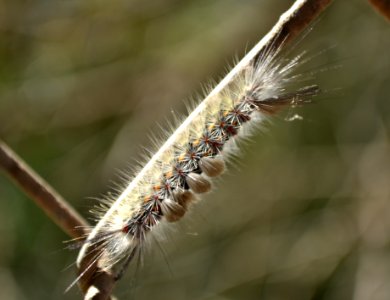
{"type": "Point", "coordinates": [382, 6]}
{"type": "Point", "coordinates": [291, 23]}
{"type": "Point", "coordinates": [59, 211]}
{"type": "Point", "coordinates": [42, 193]}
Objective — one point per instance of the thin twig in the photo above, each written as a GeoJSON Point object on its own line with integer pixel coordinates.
{"type": "Point", "coordinates": [382, 6]}
{"type": "Point", "coordinates": [58, 210]}
{"type": "Point", "coordinates": [289, 26]}
{"type": "Point", "coordinates": [42, 193]}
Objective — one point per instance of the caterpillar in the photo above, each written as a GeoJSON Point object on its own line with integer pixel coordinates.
{"type": "Point", "coordinates": [183, 168]}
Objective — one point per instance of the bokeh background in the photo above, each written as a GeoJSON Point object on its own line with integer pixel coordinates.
{"type": "Point", "coordinates": [303, 213]}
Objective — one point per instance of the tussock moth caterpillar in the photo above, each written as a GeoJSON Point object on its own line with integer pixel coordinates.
{"type": "Point", "coordinates": [182, 169]}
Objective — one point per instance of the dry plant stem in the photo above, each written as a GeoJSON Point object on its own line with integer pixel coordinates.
{"type": "Point", "coordinates": [42, 193]}
{"type": "Point", "coordinates": [290, 24]}
{"type": "Point", "coordinates": [382, 6]}
{"type": "Point", "coordinates": [56, 208]}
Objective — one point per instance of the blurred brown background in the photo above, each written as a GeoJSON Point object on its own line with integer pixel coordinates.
{"type": "Point", "coordinates": [304, 215]}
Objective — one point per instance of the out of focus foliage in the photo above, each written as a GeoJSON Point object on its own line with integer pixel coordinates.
{"type": "Point", "coordinates": [305, 215]}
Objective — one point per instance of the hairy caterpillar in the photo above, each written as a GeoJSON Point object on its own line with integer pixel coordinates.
{"type": "Point", "coordinates": [183, 168]}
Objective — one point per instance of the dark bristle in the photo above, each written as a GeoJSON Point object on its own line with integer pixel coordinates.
{"type": "Point", "coordinates": [298, 98]}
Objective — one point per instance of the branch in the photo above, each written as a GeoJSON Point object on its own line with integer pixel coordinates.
{"type": "Point", "coordinates": [289, 26]}
{"type": "Point", "coordinates": [382, 6]}
{"type": "Point", "coordinates": [55, 207]}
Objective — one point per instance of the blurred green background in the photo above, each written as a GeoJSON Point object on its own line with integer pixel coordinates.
{"type": "Point", "coordinates": [304, 213]}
